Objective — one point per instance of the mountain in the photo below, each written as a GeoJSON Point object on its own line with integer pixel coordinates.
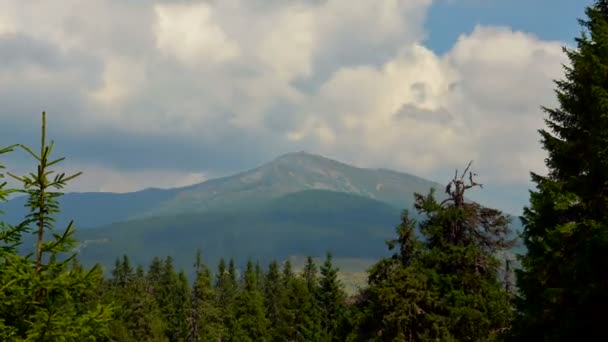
{"type": "Point", "coordinates": [297, 204]}
{"type": "Point", "coordinates": [290, 173]}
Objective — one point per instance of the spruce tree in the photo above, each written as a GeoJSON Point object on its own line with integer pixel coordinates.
{"type": "Point", "coordinates": [252, 323]}
{"type": "Point", "coordinates": [275, 299]}
{"type": "Point", "coordinates": [331, 299]}
{"type": "Point", "coordinates": [226, 292]}
{"type": "Point", "coordinates": [303, 319]}
{"type": "Point", "coordinates": [205, 322]}
{"type": "Point", "coordinates": [139, 318]}
{"type": "Point", "coordinates": [563, 282]}
{"type": "Point", "coordinates": [172, 294]}
{"type": "Point", "coordinates": [447, 287]}
{"type": "Point", "coordinates": [41, 292]}
{"type": "Point", "coordinates": [310, 275]}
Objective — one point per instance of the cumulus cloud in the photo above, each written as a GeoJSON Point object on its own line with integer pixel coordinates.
{"type": "Point", "coordinates": [234, 82]}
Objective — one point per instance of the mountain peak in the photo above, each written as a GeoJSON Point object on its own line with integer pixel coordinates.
{"type": "Point", "coordinates": [298, 155]}
{"type": "Point", "coordinates": [307, 158]}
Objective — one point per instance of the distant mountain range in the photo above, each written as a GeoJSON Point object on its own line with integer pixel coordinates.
{"type": "Point", "coordinates": [298, 204]}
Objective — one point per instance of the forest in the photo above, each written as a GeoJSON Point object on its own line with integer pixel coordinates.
{"type": "Point", "coordinates": [445, 279]}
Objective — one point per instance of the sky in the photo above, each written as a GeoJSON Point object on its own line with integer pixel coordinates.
{"type": "Point", "coordinates": [169, 93]}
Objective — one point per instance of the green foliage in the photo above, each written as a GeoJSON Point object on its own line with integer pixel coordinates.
{"type": "Point", "coordinates": [446, 287]}
{"type": "Point", "coordinates": [251, 321]}
{"type": "Point", "coordinates": [139, 317]}
{"type": "Point", "coordinates": [563, 283]}
{"type": "Point", "coordinates": [226, 291]}
{"type": "Point", "coordinates": [276, 300]}
{"type": "Point", "coordinates": [172, 295]}
{"type": "Point", "coordinates": [40, 293]}
{"type": "Point", "coordinates": [331, 300]}
{"type": "Point", "coordinates": [205, 322]}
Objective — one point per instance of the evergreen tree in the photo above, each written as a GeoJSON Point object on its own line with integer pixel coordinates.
{"type": "Point", "coordinates": [304, 317]}
{"type": "Point", "coordinates": [252, 324]}
{"type": "Point", "coordinates": [205, 322]}
{"type": "Point", "coordinates": [226, 291]}
{"type": "Point", "coordinates": [171, 292]}
{"type": "Point", "coordinates": [122, 273]}
{"type": "Point", "coordinates": [331, 298]}
{"type": "Point", "coordinates": [275, 299]}
{"type": "Point", "coordinates": [563, 283]}
{"type": "Point", "coordinates": [446, 288]}
{"type": "Point", "coordinates": [310, 275]}
{"type": "Point", "coordinates": [288, 274]}
{"type": "Point", "coordinates": [139, 318]}
{"type": "Point", "coordinates": [40, 292]}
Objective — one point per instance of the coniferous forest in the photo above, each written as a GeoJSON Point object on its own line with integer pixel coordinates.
{"type": "Point", "coordinates": [446, 278]}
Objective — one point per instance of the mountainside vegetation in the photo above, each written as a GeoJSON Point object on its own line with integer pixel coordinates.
{"type": "Point", "coordinates": [305, 223]}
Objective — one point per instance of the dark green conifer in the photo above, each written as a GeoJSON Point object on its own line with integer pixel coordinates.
{"type": "Point", "coordinates": [331, 300]}
{"type": "Point", "coordinates": [446, 288]}
{"type": "Point", "coordinates": [205, 323]}
{"type": "Point", "coordinates": [252, 323]}
{"type": "Point", "coordinates": [563, 282]}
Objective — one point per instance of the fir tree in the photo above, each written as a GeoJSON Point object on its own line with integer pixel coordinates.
{"type": "Point", "coordinates": [252, 324]}
{"type": "Point", "coordinates": [446, 288]}
{"type": "Point", "coordinates": [331, 299]}
{"type": "Point", "coordinates": [226, 291]}
{"type": "Point", "coordinates": [275, 299]}
{"type": "Point", "coordinates": [563, 283]}
{"type": "Point", "coordinates": [304, 317]}
{"type": "Point", "coordinates": [172, 295]}
{"type": "Point", "coordinates": [310, 275]}
{"type": "Point", "coordinates": [139, 318]}
{"type": "Point", "coordinates": [40, 293]}
{"type": "Point", "coordinates": [205, 322]}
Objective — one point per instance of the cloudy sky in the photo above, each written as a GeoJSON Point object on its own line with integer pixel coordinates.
{"type": "Point", "coordinates": [147, 93]}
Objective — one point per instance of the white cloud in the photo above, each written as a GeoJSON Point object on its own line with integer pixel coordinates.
{"type": "Point", "coordinates": [187, 32]}
{"type": "Point", "coordinates": [350, 79]}
{"type": "Point", "coordinates": [100, 178]}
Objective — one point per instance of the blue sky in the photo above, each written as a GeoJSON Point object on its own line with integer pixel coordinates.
{"type": "Point", "coordinates": [547, 19]}
{"type": "Point", "coordinates": [164, 93]}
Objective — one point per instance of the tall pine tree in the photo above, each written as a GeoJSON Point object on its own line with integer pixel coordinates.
{"type": "Point", "coordinates": [331, 300]}
{"type": "Point", "coordinates": [41, 292]}
{"type": "Point", "coordinates": [205, 322]}
{"type": "Point", "coordinates": [563, 282]}
{"type": "Point", "coordinates": [252, 323]}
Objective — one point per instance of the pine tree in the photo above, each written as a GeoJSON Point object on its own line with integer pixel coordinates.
{"type": "Point", "coordinates": [139, 318]}
{"type": "Point", "coordinates": [252, 324]}
{"type": "Point", "coordinates": [446, 288]}
{"type": "Point", "coordinates": [331, 299]}
{"type": "Point", "coordinates": [288, 274]}
{"type": "Point", "coordinates": [275, 299]}
{"type": "Point", "coordinates": [304, 320]}
{"type": "Point", "coordinates": [205, 322]}
{"type": "Point", "coordinates": [226, 291]}
{"type": "Point", "coordinates": [172, 293]}
{"type": "Point", "coordinates": [309, 273]}
{"type": "Point", "coordinates": [563, 283]}
{"type": "Point", "coordinates": [40, 293]}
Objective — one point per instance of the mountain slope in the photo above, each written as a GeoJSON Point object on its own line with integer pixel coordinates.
{"type": "Point", "coordinates": [92, 209]}
{"type": "Point", "coordinates": [305, 223]}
